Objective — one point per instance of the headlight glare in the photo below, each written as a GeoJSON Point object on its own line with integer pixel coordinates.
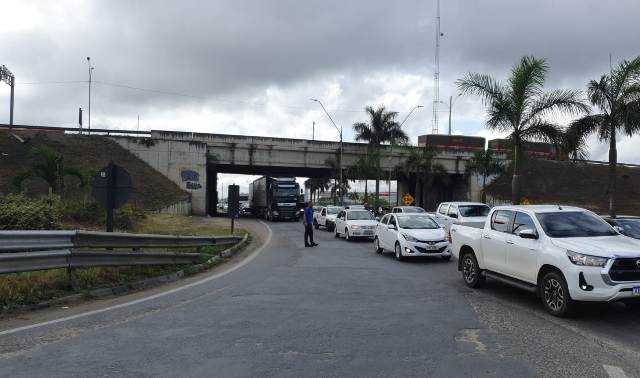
{"type": "Point", "coordinates": [586, 260]}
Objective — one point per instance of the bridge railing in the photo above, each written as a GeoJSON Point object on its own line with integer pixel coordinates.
{"type": "Point", "coordinates": [26, 251]}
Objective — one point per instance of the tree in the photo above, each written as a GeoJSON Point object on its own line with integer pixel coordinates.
{"type": "Point", "coordinates": [520, 107]}
{"type": "Point", "coordinates": [364, 168]}
{"type": "Point", "coordinates": [317, 185]}
{"type": "Point", "coordinates": [382, 128]}
{"type": "Point", "coordinates": [484, 163]}
{"type": "Point", "coordinates": [419, 163]}
{"type": "Point", "coordinates": [49, 166]}
{"type": "Point", "coordinates": [573, 144]}
{"type": "Point", "coordinates": [617, 96]}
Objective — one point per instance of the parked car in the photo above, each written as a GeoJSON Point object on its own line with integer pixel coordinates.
{"type": "Point", "coordinates": [407, 209]}
{"type": "Point", "coordinates": [563, 254]}
{"type": "Point", "coordinates": [355, 224]}
{"type": "Point", "coordinates": [625, 224]}
{"type": "Point", "coordinates": [411, 235]}
{"type": "Point", "coordinates": [326, 217]}
{"type": "Point", "coordinates": [467, 213]}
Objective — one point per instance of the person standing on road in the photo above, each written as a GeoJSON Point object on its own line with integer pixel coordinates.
{"type": "Point", "coordinates": [308, 225]}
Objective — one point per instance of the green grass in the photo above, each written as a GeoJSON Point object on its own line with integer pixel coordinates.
{"type": "Point", "coordinates": [19, 289]}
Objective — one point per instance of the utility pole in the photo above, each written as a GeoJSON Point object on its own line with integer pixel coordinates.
{"type": "Point", "coordinates": [138, 122]}
{"type": "Point", "coordinates": [450, 101]}
{"type": "Point", "coordinates": [80, 121]}
{"type": "Point", "coordinates": [313, 133]}
{"type": "Point", "coordinates": [89, 114]}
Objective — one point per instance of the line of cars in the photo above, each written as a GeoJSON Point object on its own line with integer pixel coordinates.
{"type": "Point", "coordinates": [562, 254]}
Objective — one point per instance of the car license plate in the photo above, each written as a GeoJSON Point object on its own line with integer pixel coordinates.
{"type": "Point", "coordinates": [636, 290]}
{"type": "Point", "coordinates": [368, 232]}
{"type": "Point", "coordinates": [432, 247]}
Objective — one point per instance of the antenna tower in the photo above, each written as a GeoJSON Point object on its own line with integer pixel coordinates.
{"type": "Point", "coordinates": [436, 74]}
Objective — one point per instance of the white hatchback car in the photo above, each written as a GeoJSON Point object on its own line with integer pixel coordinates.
{"type": "Point", "coordinates": [411, 235]}
{"type": "Point", "coordinates": [355, 224]}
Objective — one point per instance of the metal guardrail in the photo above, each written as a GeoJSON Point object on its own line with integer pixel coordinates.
{"type": "Point", "coordinates": [24, 251]}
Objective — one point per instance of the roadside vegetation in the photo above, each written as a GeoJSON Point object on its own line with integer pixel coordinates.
{"type": "Point", "coordinates": [30, 288]}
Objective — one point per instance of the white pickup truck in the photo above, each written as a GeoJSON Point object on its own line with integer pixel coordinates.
{"type": "Point", "coordinates": [467, 213]}
{"type": "Point", "coordinates": [326, 217]}
{"type": "Point", "coordinates": [563, 254]}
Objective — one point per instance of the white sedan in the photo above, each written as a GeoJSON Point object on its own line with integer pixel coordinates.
{"type": "Point", "coordinates": [410, 235]}
{"type": "Point", "coordinates": [355, 224]}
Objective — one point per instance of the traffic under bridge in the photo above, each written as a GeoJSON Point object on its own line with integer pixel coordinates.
{"type": "Point", "coordinates": [193, 160]}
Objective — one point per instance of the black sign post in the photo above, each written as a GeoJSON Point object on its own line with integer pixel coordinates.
{"type": "Point", "coordinates": [233, 203]}
{"type": "Point", "coordinates": [112, 189]}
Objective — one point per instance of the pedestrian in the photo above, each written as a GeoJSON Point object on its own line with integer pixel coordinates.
{"type": "Point", "coordinates": [307, 220]}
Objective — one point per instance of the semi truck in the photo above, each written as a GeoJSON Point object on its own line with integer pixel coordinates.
{"type": "Point", "coordinates": [275, 198]}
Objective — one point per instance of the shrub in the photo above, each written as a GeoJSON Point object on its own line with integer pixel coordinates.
{"type": "Point", "coordinates": [85, 213]}
{"type": "Point", "coordinates": [19, 212]}
{"type": "Point", "coordinates": [126, 217]}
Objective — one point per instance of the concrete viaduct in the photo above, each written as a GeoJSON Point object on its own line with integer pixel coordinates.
{"type": "Point", "coordinates": [193, 160]}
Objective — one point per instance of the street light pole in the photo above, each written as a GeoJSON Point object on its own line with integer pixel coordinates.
{"type": "Point", "coordinates": [341, 148]}
{"type": "Point", "coordinates": [89, 110]}
{"type": "Point", "coordinates": [451, 102]}
{"type": "Point", "coordinates": [411, 112]}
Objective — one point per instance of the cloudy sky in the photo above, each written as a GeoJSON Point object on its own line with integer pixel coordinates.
{"type": "Point", "coordinates": [251, 66]}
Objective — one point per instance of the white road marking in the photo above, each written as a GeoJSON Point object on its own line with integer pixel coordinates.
{"type": "Point", "coordinates": [146, 299]}
{"type": "Point", "coordinates": [614, 371]}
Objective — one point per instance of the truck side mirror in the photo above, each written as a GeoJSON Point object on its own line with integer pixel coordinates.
{"type": "Point", "coordinates": [454, 215]}
{"type": "Point", "coordinates": [528, 234]}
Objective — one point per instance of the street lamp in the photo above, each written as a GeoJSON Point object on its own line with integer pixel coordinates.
{"type": "Point", "coordinates": [451, 102]}
{"type": "Point", "coordinates": [340, 132]}
{"type": "Point", "coordinates": [407, 117]}
{"type": "Point", "coordinates": [90, 71]}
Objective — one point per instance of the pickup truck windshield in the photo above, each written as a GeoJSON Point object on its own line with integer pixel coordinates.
{"type": "Point", "coordinates": [417, 222]}
{"type": "Point", "coordinates": [573, 224]}
{"type": "Point", "coordinates": [333, 210]}
{"type": "Point", "coordinates": [473, 210]}
{"type": "Point", "coordinates": [359, 215]}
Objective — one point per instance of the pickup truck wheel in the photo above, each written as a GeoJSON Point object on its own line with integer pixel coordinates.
{"type": "Point", "coordinates": [376, 244]}
{"type": "Point", "coordinates": [399, 256]}
{"type": "Point", "coordinates": [471, 273]}
{"type": "Point", "coordinates": [315, 224]}
{"type": "Point", "coordinates": [555, 295]}
{"type": "Point", "coordinates": [335, 232]}
{"type": "Point", "coordinates": [346, 234]}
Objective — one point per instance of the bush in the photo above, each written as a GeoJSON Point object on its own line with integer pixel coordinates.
{"type": "Point", "coordinates": [85, 213]}
{"type": "Point", "coordinates": [126, 217]}
{"type": "Point", "coordinates": [19, 212]}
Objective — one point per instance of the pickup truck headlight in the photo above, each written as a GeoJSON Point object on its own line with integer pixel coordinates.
{"type": "Point", "coordinates": [586, 260]}
{"type": "Point", "coordinates": [409, 238]}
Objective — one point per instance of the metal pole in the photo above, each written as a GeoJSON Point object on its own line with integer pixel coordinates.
{"type": "Point", "coordinates": [340, 131]}
{"type": "Point", "coordinates": [450, 101]}
{"type": "Point", "coordinates": [89, 110]}
{"type": "Point", "coordinates": [111, 188]}
{"type": "Point", "coordinates": [13, 84]}
{"type": "Point", "coordinates": [313, 133]}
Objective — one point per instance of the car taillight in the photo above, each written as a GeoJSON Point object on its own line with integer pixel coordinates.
{"type": "Point", "coordinates": [450, 241]}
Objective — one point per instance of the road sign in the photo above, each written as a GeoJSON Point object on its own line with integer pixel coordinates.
{"type": "Point", "coordinates": [112, 189]}
{"type": "Point", "coordinates": [233, 203]}
{"type": "Point", "coordinates": [407, 199]}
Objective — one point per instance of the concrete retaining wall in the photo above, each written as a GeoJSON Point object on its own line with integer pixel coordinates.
{"type": "Point", "coordinates": [183, 162]}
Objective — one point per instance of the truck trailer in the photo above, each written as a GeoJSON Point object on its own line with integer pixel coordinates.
{"type": "Point", "coordinates": [275, 198]}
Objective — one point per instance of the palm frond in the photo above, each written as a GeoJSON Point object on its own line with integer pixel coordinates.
{"type": "Point", "coordinates": [484, 86]}
{"type": "Point", "coordinates": [565, 101]}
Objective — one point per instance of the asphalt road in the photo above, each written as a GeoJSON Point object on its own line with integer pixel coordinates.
{"type": "Point", "coordinates": [338, 309]}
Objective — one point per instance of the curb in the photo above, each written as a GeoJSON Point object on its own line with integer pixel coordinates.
{"type": "Point", "coordinates": [138, 285]}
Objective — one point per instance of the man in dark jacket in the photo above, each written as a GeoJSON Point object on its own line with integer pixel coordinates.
{"type": "Point", "coordinates": [307, 220]}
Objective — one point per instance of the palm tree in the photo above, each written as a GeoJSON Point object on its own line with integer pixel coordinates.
{"type": "Point", "coordinates": [520, 107]}
{"type": "Point", "coordinates": [49, 166]}
{"type": "Point", "coordinates": [382, 128]}
{"type": "Point", "coordinates": [419, 163]}
{"type": "Point", "coordinates": [317, 185]}
{"type": "Point", "coordinates": [617, 95]}
{"type": "Point", "coordinates": [365, 168]}
{"type": "Point", "coordinates": [573, 144]}
{"type": "Point", "coordinates": [485, 164]}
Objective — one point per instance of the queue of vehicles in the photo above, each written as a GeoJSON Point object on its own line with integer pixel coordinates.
{"type": "Point", "coordinates": [564, 255]}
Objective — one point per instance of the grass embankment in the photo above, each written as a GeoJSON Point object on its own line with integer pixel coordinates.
{"type": "Point", "coordinates": [20, 289]}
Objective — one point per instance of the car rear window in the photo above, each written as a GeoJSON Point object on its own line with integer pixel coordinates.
{"type": "Point", "coordinates": [474, 210]}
